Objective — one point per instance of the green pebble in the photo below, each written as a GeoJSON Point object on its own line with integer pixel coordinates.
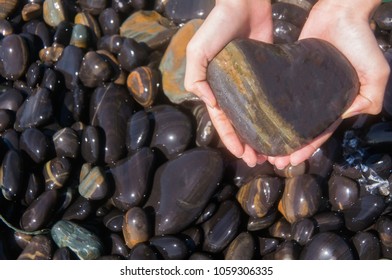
{"type": "Point", "coordinates": [82, 242]}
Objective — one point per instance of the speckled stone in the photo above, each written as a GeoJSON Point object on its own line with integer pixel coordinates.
{"type": "Point", "coordinates": [82, 242]}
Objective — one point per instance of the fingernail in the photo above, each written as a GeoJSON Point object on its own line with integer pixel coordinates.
{"type": "Point", "coordinates": [280, 167]}
{"type": "Point", "coordinates": [294, 162]}
{"type": "Point", "coordinates": [207, 101]}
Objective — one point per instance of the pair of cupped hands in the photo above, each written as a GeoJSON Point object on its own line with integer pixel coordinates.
{"type": "Point", "coordinates": [345, 24]}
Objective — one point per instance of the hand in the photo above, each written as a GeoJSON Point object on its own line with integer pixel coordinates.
{"type": "Point", "coordinates": [229, 19]}
{"type": "Point", "coordinates": [345, 24]}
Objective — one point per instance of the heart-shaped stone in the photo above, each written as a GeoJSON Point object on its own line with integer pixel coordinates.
{"type": "Point", "coordinates": [280, 97]}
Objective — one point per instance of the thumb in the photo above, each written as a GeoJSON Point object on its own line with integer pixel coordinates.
{"type": "Point", "coordinates": [204, 92]}
{"type": "Point", "coordinates": [195, 79]}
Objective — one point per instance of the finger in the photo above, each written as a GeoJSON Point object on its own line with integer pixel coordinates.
{"type": "Point", "coordinates": [261, 159]}
{"type": "Point", "coordinates": [271, 160]}
{"type": "Point", "coordinates": [370, 98]}
{"type": "Point", "coordinates": [249, 156]}
{"type": "Point", "coordinates": [203, 47]}
{"type": "Point", "coordinates": [373, 78]}
{"type": "Point", "coordinates": [306, 152]}
{"type": "Point", "coordinates": [282, 161]}
{"type": "Point", "coordinates": [195, 77]}
{"type": "Point", "coordinates": [226, 131]}
{"type": "Point", "coordinates": [203, 90]}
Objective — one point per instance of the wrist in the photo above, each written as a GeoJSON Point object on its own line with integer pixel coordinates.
{"type": "Point", "coordinates": [362, 8]}
{"type": "Point", "coordinates": [243, 5]}
{"type": "Point", "coordinates": [252, 17]}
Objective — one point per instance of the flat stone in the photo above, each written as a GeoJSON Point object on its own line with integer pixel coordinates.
{"type": "Point", "coordinates": [148, 27]}
{"type": "Point", "coordinates": [173, 64]}
{"type": "Point", "coordinates": [280, 97]}
{"type": "Point", "coordinates": [82, 242]}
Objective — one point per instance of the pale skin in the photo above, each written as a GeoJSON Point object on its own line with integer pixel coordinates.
{"type": "Point", "coordinates": [345, 24]}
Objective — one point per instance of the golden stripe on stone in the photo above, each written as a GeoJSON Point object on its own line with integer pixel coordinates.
{"type": "Point", "coordinates": [275, 95]}
{"type": "Point", "coordinates": [258, 106]}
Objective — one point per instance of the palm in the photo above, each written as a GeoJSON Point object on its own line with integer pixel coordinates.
{"type": "Point", "coordinates": [354, 38]}
{"type": "Point", "coordinates": [254, 22]}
